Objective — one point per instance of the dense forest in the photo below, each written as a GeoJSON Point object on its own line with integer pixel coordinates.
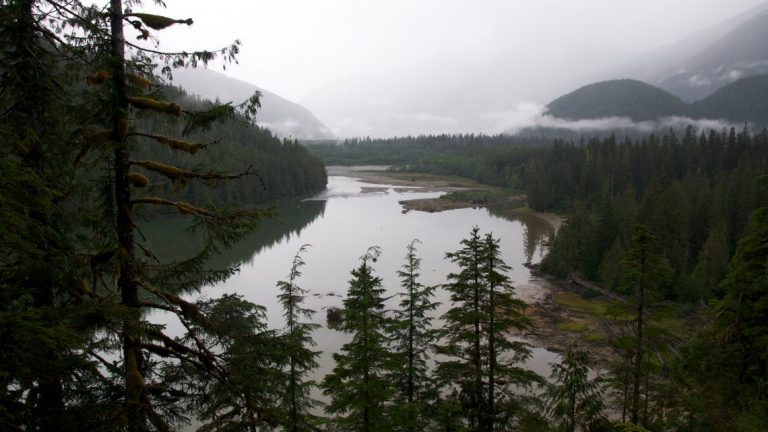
{"type": "Point", "coordinates": [283, 168]}
{"type": "Point", "coordinates": [91, 142]}
{"type": "Point", "coordinates": [681, 215]}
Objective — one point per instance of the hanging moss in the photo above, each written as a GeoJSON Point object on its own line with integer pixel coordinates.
{"type": "Point", "coordinates": [138, 180]}
{"type": "Point", "coordinates": [183, 207]}
{"type": "Point", "coordinates": [155, 105]}
{"type": "Point", "coordinates": [177, 144]}
{"type": "Point", "coordinates": [159, 22]}
{"type": "Point", "coordinates": [98, 78]}
{"type": "Point", "coordinates": [173, 173]}
{"type": "Point", "coordinates": [138, 80]}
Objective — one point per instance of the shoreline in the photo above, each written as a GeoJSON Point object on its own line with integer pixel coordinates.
{"type": "Point", "coordinates": [410, 181]}
{"type": "Point", "coordinates": [555, 326]}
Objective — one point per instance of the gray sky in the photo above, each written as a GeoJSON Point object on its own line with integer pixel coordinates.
{"type": "Point", "coordinates": [506, 51]}
{"type": "Point", "coordinates": [292, 47]}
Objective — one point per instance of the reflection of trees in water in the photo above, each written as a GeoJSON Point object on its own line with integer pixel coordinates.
{"type": "Point", "coordinates": [170, 240]}
{"type": "Point", "coordinates": [537, 233]}
{"type": "Point", "coordinates": [535, 240]}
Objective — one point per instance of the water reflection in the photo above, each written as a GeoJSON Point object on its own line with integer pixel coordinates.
{"type": "Point", "coordinates": [168, 238]}
{"type": "Point", "coordinates": [537, 233]}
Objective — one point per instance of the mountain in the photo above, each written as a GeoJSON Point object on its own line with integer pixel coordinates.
{"type": "Point", "coordinates": [742, 52]}
{"type": "Point", "coordinates": [745, 100]}
{"type": "Point", "coordinates": [281, 116]}
{"type": "Point", "coordinates": [697, 65]}
{"type": "Point", "coordinates": [618, 98]}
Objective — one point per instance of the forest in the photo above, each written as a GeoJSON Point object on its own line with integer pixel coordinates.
{"type": "Point", "coordinates": [92, 143]}
{"type": "Point", "coordinates": [670, 221]}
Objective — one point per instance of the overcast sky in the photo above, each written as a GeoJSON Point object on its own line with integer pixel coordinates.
{"type": "Point", "coordinates": [292, 47]}
{"type": "Point", "coordinates": [409, 66]}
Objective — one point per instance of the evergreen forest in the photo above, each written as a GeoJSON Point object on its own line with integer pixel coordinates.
{"type": "Point", "coordinates": [94, 142]}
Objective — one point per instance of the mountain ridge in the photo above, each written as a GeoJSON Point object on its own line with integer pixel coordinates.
{"type": "Point", "coordinates": [283, 117]}
{"type": "Point", "coordinates": [740, 101]}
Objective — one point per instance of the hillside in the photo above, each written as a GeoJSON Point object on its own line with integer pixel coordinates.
{"type": "Point", "coordinates": [618, 98]}
{"type": "Point", "coordinates": [742, 52]}
{"type": "Point", "coordinates": [741, 101]}
{"type": "Point", "coordinates": [283, 169]}
{"type": "Point", "coordinates": [281, 116]}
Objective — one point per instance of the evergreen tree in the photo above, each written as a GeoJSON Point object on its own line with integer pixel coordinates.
{"type": "Point", "coordinates": [412, 339]}
{"type": "Point", "coordinates": [645, 273]}
{"type": "Point", "coordinates": [725, 365]}
{"type": "Point", "coordinates": [245, 391]}
{"type": "Point", "coordinates": [483, 360]}
{"type": "Point", "coordinates": [297, 402]}
{"type": "Point", "coordinates": [40, 314]}
{"type": "Point", "coordinates": [572, 399]}
{"type": "Point", "coordinates": [126, 276]}
{"type": "Point", "coordinates": [358, 386]}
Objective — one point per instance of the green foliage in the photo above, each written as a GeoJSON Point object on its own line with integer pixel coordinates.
{"type": "Point", "coordinates": [483, 361]}
{"type": "Point", "coordinates": [273, 169]}
{"type": "Point", "coordinates": [297, 403]}
{"type": "Point", "coordinates": [358, 386]}
{"type": "Point", "coordinates": [723, 366]}
{"type": "Point", "coordinates": [573, 400]}
{"type": "Point", "coordinates": [247, 395]}
{"type": "Point", "coordinates": [412, 338]}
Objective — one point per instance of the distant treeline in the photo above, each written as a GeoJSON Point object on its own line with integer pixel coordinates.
{"type": "Point", "coordinates": [695, 191]}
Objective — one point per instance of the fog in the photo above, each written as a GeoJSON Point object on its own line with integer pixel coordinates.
{"type": "Point", "coordinates": [395, 67]}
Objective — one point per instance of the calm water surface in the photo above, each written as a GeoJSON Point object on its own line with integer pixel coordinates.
{"type": "Point", "coordinates": [341, 224]}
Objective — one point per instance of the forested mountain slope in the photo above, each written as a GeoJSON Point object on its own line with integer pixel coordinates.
{"type": "Point", "coordinates": [284, 118]}
{"type": "Point", "coordinates": [618, 98]}
{"type": "Point", "coordinates": [743, 100]}
{"type": "Point", "coordinates": [282, 168]}
{"type": "Point", "coordinates": [740, 102]}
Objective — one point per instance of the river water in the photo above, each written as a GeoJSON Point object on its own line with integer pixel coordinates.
{"type": "Point", "coordinates": [340, 224]}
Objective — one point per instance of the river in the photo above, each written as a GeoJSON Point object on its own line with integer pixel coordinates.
{"type": "Point", "coordinates": [340, 224]}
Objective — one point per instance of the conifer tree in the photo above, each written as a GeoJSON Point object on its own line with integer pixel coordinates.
{"type": "Point", "coordinates": [463, 335]}
{"type": "Point", "coordinates": [297, 401]}
{"type": "Point", "coordinates": [484, 361]}
{"type": "Point", "coordinates": [358, 386]}
{"type": "Point", "coordinates": [42, 344]}
{"type": "Point", "coordinates": [126, 276]}
{"type": "Point", "coordinates": [247, 396]}
{"type": "Point", "coordinates": [412, 340]}
{"type": "Point", "coordinates": [572, 399]}
{"type": "Point", "coordinates": [645, 272]}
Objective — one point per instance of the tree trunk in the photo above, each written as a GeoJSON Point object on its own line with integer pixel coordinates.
{"type": "Point", "coordinates": [132, 356]}
{"type": "Point", "coordinates": [639, 353]}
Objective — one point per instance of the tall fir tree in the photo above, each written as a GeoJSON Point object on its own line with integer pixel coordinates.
{"type": "Point", "coordinates": [39, 264]}
{"type": "Point", "coordinates": [358, 387]}
{"type": "Point", "coordinates": [126, 276]}
{"type": "Point", "coordinates": [572, 399]}
{"type": "Point", "coordinates": [646, 271]}
{"type": "Point", "coordinates": [484, 361]}
{"type": "Point", "coordinates": [412, 339]}
{"type": "Point", "coordinates": [297, 403]}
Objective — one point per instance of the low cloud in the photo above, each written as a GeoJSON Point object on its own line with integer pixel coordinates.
{"type": "Point", "coordinates": [523, 117]}
{"type": "Point", "coordinates": [528, 115]}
